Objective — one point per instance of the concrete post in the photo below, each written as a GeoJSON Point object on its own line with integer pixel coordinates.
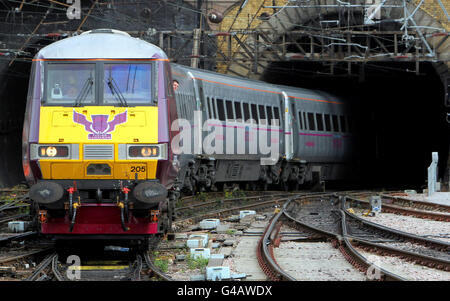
{"type": "Point", "coordinates": [432, 174]}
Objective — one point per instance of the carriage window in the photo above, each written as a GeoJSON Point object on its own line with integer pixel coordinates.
{"type": "Point", "coordinates": [269, 114]}
{"type": "Point", "coordinates": [220, 109]}
{"type": "Point", "coordinates": [254, 112]}
{"type": "Point", "coordinates": [300, 120]}
{"type": "Point", "coordinates": [276, 112]}
{"type": "Point", "coordinates": [230, 114]}
{"type": "Point", "coordinates": [312, 125]}
{"type": "Point", "coordinates": [342, 124]}
{"type": "Point", "coordinates": [237, 110]}
{"type": "Point", "coordinates": [262, 115]}
{"type": "Point", "coordinates": [246, 112]}
{"type": "Point", "coordinates": [214, 108]}
{"type": "Point", "coordinates": [327, 123]}
{"type": "Point", "coordinates": [70, 84]}
{"type": "Point", "coordinates": [319, 118]}
{"type": "Point", "coordinates": [335, 123]}
{"type": "Point", "coordinates": [127, 83]}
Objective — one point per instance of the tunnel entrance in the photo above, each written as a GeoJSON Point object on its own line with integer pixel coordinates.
{"type": "Point", "coordinates": [14, 84]}
{"type": "Point", "coordinates": [400, 116]}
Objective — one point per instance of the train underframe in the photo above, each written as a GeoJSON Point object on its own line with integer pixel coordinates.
{"type": "Point", "coordinates": [204, 174]}
{"type": "Point", "coordinates": [101, 210]}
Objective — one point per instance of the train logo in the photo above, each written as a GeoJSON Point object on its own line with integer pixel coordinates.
{"type": "Point", "coordinates": [99, 128]}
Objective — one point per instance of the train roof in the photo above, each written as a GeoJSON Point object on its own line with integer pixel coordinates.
{"type": "Point", "coordinates": [103, 44]}
{"type": "Point", "coordinates": [252, 83]}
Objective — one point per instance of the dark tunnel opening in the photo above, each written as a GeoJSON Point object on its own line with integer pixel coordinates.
{"type": "Point", "coordinates": [400, 117]}
{"type": "Point", "coordinates": [14, 84]}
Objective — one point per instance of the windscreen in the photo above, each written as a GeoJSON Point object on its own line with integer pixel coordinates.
{"type": "Point", "coordinates": [127, 84]}
{"type": "Point", "coordinates": [70, 84]}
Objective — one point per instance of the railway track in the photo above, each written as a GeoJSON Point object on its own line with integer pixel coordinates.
{"type": "Point", "coordinates": [265, 251]}
{"type": "Point", "coordinates": [107, 270]}
{"type": "Point", "coordinates": [8, 237]}
{"type": "Point", "coordinates": [411, 247]}
{"type": "Point", "coordinates": [401, 206]}
{"type": "Point", "coordinates": [325, 219]}
{"type": "Point", "coordinates": [14, 209]}
{"type": "Point", "coordinates": [226, 207]}
{"type": "Point", "coordinates": [42, 270]}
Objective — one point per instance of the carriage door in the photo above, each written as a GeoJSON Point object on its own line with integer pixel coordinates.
{"type": "Point", "coordinates": [197, 118]}
{"type": "Point", "coordinates": [288, 129]}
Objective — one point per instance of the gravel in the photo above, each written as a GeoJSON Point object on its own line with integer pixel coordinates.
{"type": "Point", "coordinates": [423, 227]}
{"type": "Point", "coordinates": [315, 262]}
{"type": "Point", "coordinates": [438, 198]}
{"type": "Point", "coordinates": [406, 269]}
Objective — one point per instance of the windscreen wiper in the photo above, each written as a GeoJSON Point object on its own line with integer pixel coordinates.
{"type": "Point", "coordinates": [84, 91]}
{"type": "Point", "coordinates": [116, 92]}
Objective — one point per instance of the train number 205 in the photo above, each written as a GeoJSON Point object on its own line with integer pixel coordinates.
{"type": "Point", "coordinates": [137, 168]}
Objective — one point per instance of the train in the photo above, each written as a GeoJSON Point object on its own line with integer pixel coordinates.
{"type": "Point", "coordinates": [114, 133]}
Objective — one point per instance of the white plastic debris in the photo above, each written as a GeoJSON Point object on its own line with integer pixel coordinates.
{"type": "Point", "coordinates": [197, 241]}
{"type": "Point", "coordinates": [209, 224]}
{"type": "Point", "coordinates": [217, 273]}
{"type": "Point", "coordinates": [200, 252]}
{"type": "Point", "coordinates": [410, 191]}
{"type": "Point", "coordinates": [17, 226]}
{"type": "Point", "coordinates": [244, 213]}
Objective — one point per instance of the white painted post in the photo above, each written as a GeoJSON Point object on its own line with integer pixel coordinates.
{"type": "Point", "coordinates": [432, 174]}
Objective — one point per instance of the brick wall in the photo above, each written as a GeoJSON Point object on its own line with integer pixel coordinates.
{"type": "Point", "coordinates": [246, 20]}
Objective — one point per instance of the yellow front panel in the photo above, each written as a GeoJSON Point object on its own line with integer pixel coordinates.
{"type": "Point", "coordinates": [84, 125]}
{"type": "Point", "coordinates": [57, 125]}
{"type": "Point", "coordinates": [77, 170]}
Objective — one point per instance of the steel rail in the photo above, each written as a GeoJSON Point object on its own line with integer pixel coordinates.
{"type": "Point", "coordinates": [387, 274]}
{"type": "Point", "coordinates": [429, 242]}
{"type": "Point", "coordinates": [408, 211]}
{"type": "Point", "coordinates": [155, 270]}
{"type": "Point", "coordinates": [14, 202]}
{"type": "Point", "coordinates": [17, 236]}
{"type": "Point", "coordinates": [265, 257]}
{"type": "Point", "coordinates": [387, 250]}
{"type": "Point", "coordinates": [55, 269]}
{"type": "Point", "coordinates": [401, 200]}
{"type": "Point", "coordinates": [225, 200]}
{"type": "Point", "coordinates": [13, 217]}
{"type": "Point", "coordinates": [8, 259]}
{"type": "Point", "coordinates": [43, 265]}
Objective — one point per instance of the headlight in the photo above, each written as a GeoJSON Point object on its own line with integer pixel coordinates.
{"type": "Point", "coordinates": [143, 151]}
{"type": "Point", "coordinates": [53, 151]}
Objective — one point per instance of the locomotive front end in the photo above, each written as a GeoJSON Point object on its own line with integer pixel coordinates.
{"type": "Point", "coordinates": [97, 149]}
